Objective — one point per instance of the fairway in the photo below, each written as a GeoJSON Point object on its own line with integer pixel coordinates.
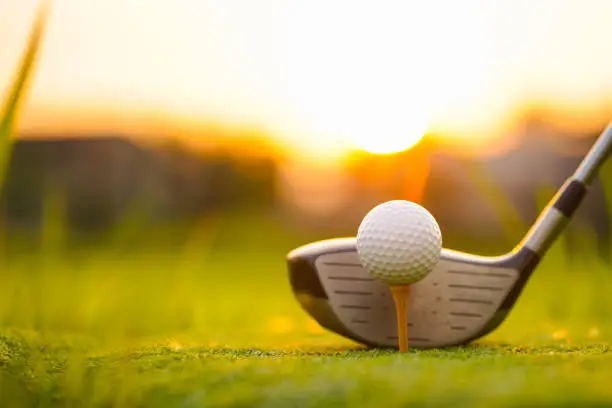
{"type": "Point", "coordinates": [209, 320]}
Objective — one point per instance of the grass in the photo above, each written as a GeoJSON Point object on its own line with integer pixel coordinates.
{"type": "Point", "coordinates": [212, 322]}
{"type": "Point", "coordinates": [18, 90]}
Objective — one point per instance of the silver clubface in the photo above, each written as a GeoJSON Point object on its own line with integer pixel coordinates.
{"type": "Point", "coordinates": [464, 298]}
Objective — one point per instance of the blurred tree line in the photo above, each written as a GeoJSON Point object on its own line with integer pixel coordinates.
{"type": "Point", "coordinates": [101, 178]}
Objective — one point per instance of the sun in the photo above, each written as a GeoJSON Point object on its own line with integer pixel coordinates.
{"type": "Point", "coordinates": [387, 145]}
{"type": "Point", "coordinates": [364, 89]}
{"type": "Point", "coordinates": [392, 138]}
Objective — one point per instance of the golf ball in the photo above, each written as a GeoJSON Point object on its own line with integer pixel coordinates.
{"type": "Point", "coordinates": [399, 242]}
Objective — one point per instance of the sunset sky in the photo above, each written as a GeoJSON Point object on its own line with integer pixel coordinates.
{"type": "Point", "coordinates": [321, 75]}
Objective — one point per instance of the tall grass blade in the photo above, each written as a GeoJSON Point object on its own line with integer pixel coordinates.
{"type": "Point", "coordinates": [605, 178]}
{"type": "Point", "coordinates": [8, 115]}
{"type": "Point", "coordinates": [54, 222]}
{"type": "Point", "coordinates": [511, 223]}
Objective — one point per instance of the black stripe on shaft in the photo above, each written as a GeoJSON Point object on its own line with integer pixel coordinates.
{"type": "Point", "coordinates": [570, 198]}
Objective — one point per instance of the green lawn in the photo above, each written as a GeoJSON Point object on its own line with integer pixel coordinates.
{"type": "Point", "coordinates": [212, 323]}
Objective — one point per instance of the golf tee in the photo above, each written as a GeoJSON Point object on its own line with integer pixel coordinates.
{"type": "Point", "coordinates": [400, 297]}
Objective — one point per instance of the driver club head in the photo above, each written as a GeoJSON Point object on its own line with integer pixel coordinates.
{"type": "Point", "coordinates": [463, 298]}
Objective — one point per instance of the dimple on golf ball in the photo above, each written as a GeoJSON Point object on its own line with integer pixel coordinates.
{"type": "Point", "coordinates": [399, 242]}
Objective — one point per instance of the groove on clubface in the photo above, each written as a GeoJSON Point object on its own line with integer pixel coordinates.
{"type": "Point", "coordinates": [356, 307]}
{"type": "Point", "coordinates": [477, 301]}
{"type": "Point", "coordinates": [463, 314]}
{"type": "Point", "coordinates": [491, 288]}
{"type": "Point", "coordinates": [349, 264]}
{"type": "Point", "coordinates": [350, 278]}
{"type": "Point", "coordinates": [471, 273]}
{"type": "Point", "coordinates": [352, 292]}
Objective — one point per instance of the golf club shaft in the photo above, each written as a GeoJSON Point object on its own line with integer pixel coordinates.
{"type": "Point", "coordinates": [557, 213]}
{"type": "Point", "coordinates": [596, 157]}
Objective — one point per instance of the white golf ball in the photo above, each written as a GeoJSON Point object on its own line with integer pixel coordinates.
{"type": "Point", "coordinates": [399, 242]}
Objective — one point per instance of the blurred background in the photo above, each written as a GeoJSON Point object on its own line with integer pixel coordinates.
{"type": "Point", "coordinates": [240, 129]}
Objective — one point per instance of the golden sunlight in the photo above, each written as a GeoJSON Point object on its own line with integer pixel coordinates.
{"type": "Point", "coordinates": [323, 78]}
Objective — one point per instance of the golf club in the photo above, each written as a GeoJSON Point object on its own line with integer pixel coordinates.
{"type": "Point", "coordinates": [465, 297]}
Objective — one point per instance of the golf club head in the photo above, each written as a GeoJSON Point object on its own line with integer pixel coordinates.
{"type": "Point", "coordinates": [462, 299]}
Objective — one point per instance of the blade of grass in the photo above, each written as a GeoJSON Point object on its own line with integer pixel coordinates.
{"type": "Point", "coordinates": [54, 223]}
{"type": "Point", "coordinates": [18, 89]}
{"type": "Point", "coordinates": [132, 224]}
{"type": "Point", "coordinates": [511, 223]}
{"type": "Point", "coordinates": [605, 178]}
